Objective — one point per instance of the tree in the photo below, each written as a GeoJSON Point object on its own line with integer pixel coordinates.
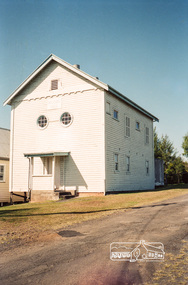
{"type": "Point", "coordinates": [185, 145]}
{"type": "Point", "coordinates": [163, 149]}
{"type": "Point", "coordinates": [175, 170]}
{"type": "Point", "coordinates": [156, 144]}
{"type": "Point", "coordinates": [174, 167]}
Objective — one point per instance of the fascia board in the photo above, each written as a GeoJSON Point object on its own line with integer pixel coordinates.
{"type": "Point", "coordinates": [43, 64]}
{"type": "Point", "coordinates": [26, 81]}
{"type": "Point", "coordinates": [80, 72]}
{"type": "Point", "coordinates": [131, 103]}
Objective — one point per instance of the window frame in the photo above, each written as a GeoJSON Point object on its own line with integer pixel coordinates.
{"type": "Point", "coordinates": [2, 172]}
{"type": "Point", "coordinates": [46, 166]}
{"type": "Point", "coordinates": [137, 126]}
{"type": "Point", "coordinates": [108, 111]}
{"type": "Point", "coordinates": [66, 125]}
{"type": "Point", "coordinates": [56, 82]}
{"type": "Point", "coordinates": [47, 122]}
{"type": "Point", "coordinates": [116, 162]}
{"type": "Point", "coordinates": [128, 164]}
{"type": "Point", "coordinates": [147, 167]}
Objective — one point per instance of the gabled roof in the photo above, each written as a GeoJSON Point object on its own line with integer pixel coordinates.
{"type": "Point", "coordinates": [4, 143]}
{"type": "Point", "coordinates": [86, 76]}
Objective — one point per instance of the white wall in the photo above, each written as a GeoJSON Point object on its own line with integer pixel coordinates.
{"type": "Point", "coordinates": [134, 147]}
{"type": "Point", "coordinates": [84, 138]}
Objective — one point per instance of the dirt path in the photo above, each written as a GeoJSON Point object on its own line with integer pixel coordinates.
{"type": "Point", "coordinates": [80, 254]}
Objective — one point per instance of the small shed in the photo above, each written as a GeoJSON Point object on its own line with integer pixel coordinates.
{"type": "Point", "coordinates": [159, 172]}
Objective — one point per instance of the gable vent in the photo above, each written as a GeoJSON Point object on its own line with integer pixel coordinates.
{"type": "Point", "coordinates": [54, 84]}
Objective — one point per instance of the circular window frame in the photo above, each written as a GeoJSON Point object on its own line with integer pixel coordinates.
{"type": "Point", "coordinates": [67, 125]}
{"type": "Point", "coordinates": [42, 128]}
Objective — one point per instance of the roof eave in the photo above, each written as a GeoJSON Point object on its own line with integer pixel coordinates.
{"type": "Point", "coordinates": [51, 57]}
{"type": "Point", "coordinates": [131, 103]}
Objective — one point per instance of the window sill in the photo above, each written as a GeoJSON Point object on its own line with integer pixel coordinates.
{"type": "Point", "coordinates": [128, 173]}
{"type": "Point", "coordinates": [116, 171]}
{"type": "Point", "coordinates": [108, 113]}
{"type": "Point", "coordinates": [115, 119]}
{"type": "Point", "coordinates": [2, 181]}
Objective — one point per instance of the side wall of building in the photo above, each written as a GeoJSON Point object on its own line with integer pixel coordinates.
{"type": "Point", "coordinates": [84, 138]}
{"type": "Point", "coordinates": [129, 155]}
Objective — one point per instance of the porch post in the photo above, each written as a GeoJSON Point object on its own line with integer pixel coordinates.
{"type": "Point", "coordinates": [53, 172]}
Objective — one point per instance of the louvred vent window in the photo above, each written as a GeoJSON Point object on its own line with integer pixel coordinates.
{"type": "Point", "coordinates": [54, 84]}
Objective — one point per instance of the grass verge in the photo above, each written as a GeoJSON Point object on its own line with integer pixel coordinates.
{"type": "Point", "coordinates": [24, 221]}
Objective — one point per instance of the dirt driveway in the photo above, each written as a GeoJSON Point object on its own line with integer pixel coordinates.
{"type": "Point", "coordinates": [80, 254]}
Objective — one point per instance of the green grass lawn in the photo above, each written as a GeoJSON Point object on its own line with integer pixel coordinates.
{"type": "Point", "coordinates": [23, 220]}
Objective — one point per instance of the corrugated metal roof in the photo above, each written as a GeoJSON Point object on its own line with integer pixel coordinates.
{"type": "Point", "coordinates": [4, 143]}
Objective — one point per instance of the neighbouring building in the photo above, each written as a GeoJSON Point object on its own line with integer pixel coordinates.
{"type": "Point", "coordinates": [72, 132]}
{"type": "Point", "coordinates": [5, 195]}
{"type": "Point", "coordinates": [4, 165]}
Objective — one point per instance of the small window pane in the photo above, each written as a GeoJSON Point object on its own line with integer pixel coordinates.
{"type": "Point", "coordinates": [2, 170]}
{"type": "Point", "coordinates": [128, 163]}
{"type": "Point", "coordinates": [115, 114]}
{"type": "Point", "coordinates": [42, 121]}
{"type": "Point", "coordinates": [147, 167]}
{"type": "Point", "coordinates": [116, 162]}
{"type": "Point", "coordinates": [47, 165]}
{"type": "Point", "coordinates": [137, 126]}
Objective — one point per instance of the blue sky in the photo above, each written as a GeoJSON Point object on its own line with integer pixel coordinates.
{"type": "Point", "coordinates": [139, 47]}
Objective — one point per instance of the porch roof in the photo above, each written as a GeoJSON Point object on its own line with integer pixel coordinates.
{"type": "Point", "coordinates": [46, 154]}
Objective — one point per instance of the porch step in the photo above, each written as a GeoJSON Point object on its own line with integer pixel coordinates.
{"type": "Point", "coordinates": [66, 194]}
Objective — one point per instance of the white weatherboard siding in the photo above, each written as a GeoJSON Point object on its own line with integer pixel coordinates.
{"type": "Point", "coordinates": [84, 138]}
{"type": "Point", "coordinates": [90, 155]}
{"type": "Point", "coordinates": [134, 147]}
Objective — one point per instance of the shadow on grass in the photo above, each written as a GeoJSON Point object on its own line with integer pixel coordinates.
{"type": "Point", "coordinates": [6, 214]}
{"type": "Point", "coordinates": [15, 211]}
{"type": "Point", "coordinates": [157, 189]}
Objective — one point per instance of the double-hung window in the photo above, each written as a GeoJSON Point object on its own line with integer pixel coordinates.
{"type": "Point", "coordinates": [127, 163]}
{"type": "Point", "coordinates": [2, 173]}
{"type": "Point", "coordinates": [47, 165]}
{"type": "Point", "coordinates": [147, 167]}
{"type": "Point", "coordinates": [116, 159]}
{"type": "Point", "coordinates": [137, 125]}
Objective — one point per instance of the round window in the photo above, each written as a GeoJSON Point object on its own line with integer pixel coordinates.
{"type": "Point", "coordinates": [66, 119]}
{"type": "Point", "coordinates": [42, 121]}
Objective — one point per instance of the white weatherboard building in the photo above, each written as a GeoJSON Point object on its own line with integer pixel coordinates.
{"type": "Point", "coordinates": [70, 131]}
